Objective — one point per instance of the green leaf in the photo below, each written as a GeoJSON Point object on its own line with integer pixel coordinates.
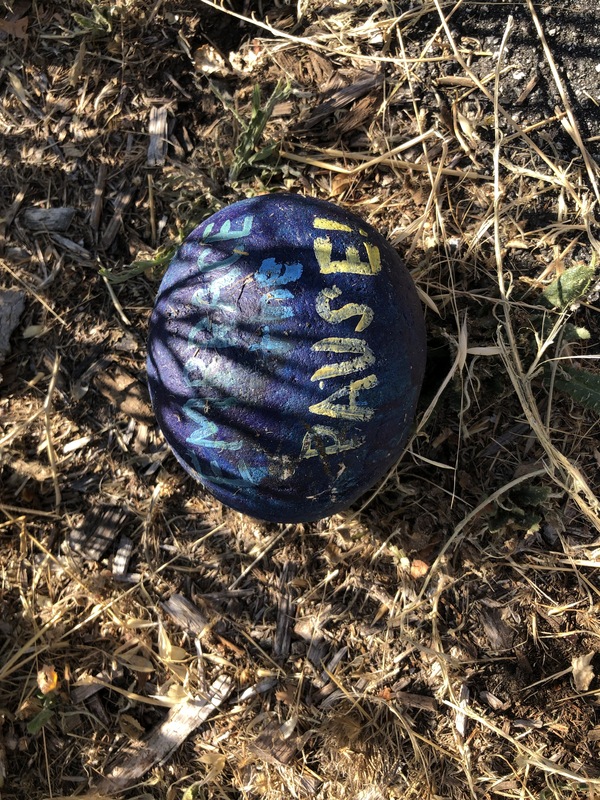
{"type": "Point", "coordinates": [575, 333]}
{"type": "Point", "coordinates": [96, 26]}
{"type": "Point", "coordinates": [252, 131]}
{"type": "Point", "coordinates": [161, 259]}
{"type": "Point", "coordinates": [569, 286]}
{"type": "Point", "coordinates": [581, 385]}
{"type": "Point", "coordinates": [37, 723]}
{"type": "Point", "coordinates": [194, 792]}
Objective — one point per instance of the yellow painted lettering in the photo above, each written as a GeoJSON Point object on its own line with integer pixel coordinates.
{"type": "Point", "coordinates": [330, 225]}
{"type": "Point", "coordinates": [337, 315]}
{"type": "Point", "coordinates": [352, 410]}
{"type": "Point", "coordinates": [314, 442]}
{"type": "Point", "coordinates": [363, 359]}
{"type": "Point", "coordinates": [351, 263]}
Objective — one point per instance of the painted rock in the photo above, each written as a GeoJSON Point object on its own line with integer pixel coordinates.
{"type": "Point", "coordinates": [286, 355]}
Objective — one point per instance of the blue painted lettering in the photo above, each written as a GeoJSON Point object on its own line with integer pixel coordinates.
{"type": "Point", "coordinates": [225, 233]}
{"type": "Point", "coordinates": [271, 273]}
{"type": "Point", "coordinates": [204, 435]}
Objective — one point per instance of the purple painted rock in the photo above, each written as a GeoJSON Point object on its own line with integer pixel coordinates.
{"type": "Point", "coordinates": [286, 355]}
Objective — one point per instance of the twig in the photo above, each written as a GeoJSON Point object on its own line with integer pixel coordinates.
{"type": "Point", "coordinates": [386, 160]}
{"type": "Point", "coordinates": [48, 425]}
{"type": "Point", "coordinates": [115, 301]}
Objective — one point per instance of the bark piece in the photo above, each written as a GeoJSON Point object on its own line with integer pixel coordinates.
{"type": "Point", "coordinates": [157, 148]}
{"type": "Point", "coordinates": [122, 556]}
{"type": "Point", "coordinates": [47, 219]}
{"type": "Point", "coordinates": [164, 740]}
{"type": "Point", "coordinates": [185, 614]}
{"type": "Point", "coordinates": [12, 305]}
{"type": "Point", "coordinates": [98, 531]}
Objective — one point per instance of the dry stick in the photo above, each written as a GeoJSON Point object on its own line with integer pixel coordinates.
{"type": "Point", "coordinates": [47, 420]}
{"type": "Point", "coordinates": [182, 720]}
{"type": "Point", "coordinates": [572, 480]}
{"type": "Point", "coordinates": [572, 129]}
{"type": "Point", "coordinates": [115, 302]}
{"type": "Point", "coordinates": [27, 651]}
{"type": "Point", "coordinates": [388, 162]}
{"type": "Point", "coordinates": [152, 209]}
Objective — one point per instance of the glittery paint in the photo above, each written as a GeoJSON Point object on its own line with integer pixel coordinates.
{"type": "Point", "coordinates": [285, 357]}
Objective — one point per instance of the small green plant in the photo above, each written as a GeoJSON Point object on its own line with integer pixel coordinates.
{"type": "Point", "coordinates": [47, 680]}
{"type": "Point", "coordinates": [98, 24]}
{"type": "Point", "coordinates": [246, 153]}
{"type": "Point", "coordinates": [569, 287]}
{"type": "Point", "coordinates": [520, 509]}
{"type": "Point", "coordinates": [581, 385]}
{"type": "Point", "coordinates": [152, 266]}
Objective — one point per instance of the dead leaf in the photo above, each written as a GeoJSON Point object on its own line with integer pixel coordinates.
{"type": "Point", "coordinates": [136, 663]}
{"type": "Point", "coordinates": [210, 62]}
{"type": "Point", "coordinates": [418, 569]}
{"type": "Point", "coordinates": [47, 679]}
{"type": "Point", "coordinates": [216, 763]}
{"type": "Point", "coordinates": [583, 672]}
{"type": "Point", "coordinates": [15, 27]}
{"type": "Point", "coordinates": [33, 331]}
{"type": "Point", "coordinates": [131, 727]}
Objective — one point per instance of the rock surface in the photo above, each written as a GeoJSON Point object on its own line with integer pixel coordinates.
{"type": "Point", "coordinates": [286, 355]}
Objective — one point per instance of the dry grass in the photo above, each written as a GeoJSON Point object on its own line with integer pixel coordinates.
{"type": "Point", "coordinates": [437, 641]}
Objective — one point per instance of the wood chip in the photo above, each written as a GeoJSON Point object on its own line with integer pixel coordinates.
{"type": "Point", "coordinates": [72, 247]}
{"type": "Point", "coordinates": [185, 614]}
{"type": "Point", "coordinates": [122, 556]}
{"type": "Point", "coordinates": [96, 211]}
{"type": "Point", "coordinates": [164, 740]}
{"type": "Point", "coordinates": [412, 700]}
{"type": "Point", "coordinates": [12, 305]}
{"type": "Point", "coordinates": [493, 701]}
{"type": "Point", "coordinates": [98, 531]}
{"type": "Point", "coordinates": [47, 219]}
{"type": "Point", "coordinates": [157, 148]}
{"type": "Point", "coordinates": [122, 201]}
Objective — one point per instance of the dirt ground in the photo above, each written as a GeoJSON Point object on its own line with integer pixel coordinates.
{"type": "Point", "coordinates": [437, 640]}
